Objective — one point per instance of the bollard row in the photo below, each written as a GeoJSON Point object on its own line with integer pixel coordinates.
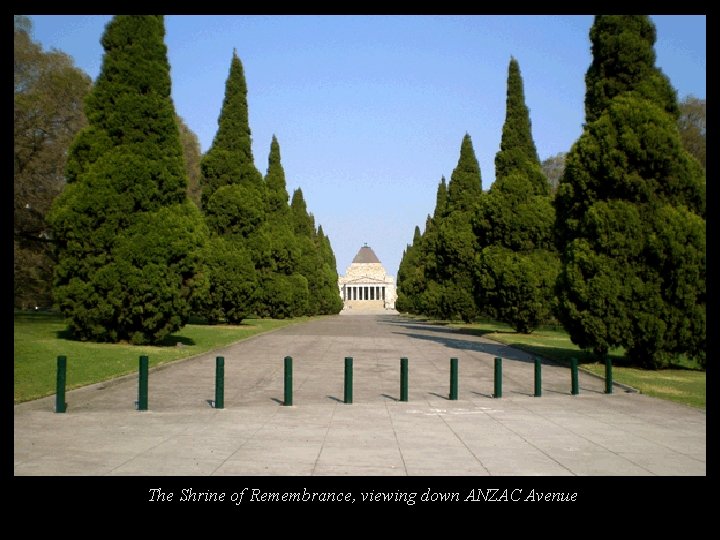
{"type": "Point", "coordinates": [219, 403]}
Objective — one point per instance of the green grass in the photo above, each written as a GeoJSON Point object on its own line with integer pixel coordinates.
{"type": "Point", "coordinates": [683, 386]}
{"type": "Point", "coordinates": [684, 383]}
{"type": "Point", "coordinates": [41, 337]}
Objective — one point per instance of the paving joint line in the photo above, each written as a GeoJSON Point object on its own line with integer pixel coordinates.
{"type": "Point", "coordinates": [322, 446]}
{"type": "Point", "coordinates": [442, 417]}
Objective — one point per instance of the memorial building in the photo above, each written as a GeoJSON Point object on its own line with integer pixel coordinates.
{"type": "Point", "coordinates": [366, 286]}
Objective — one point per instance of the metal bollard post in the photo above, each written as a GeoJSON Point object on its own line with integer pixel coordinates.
{"type": "Point", "coordinates": [453, 378]}
{"type": "Point", "coordinates": [608, 375]}
{"type": "Point", "coordinates": [403, 379]}
{"type": "Point", "coordinates": [143, 384]}
{"type": "Point", "coordinates": [60, 405]}
{"type": "Point", "coordinates": [498, 377]}
{"type": "Point", "coordinates": [348, 379]}
{"type": "Point", "coordinates": [574, 376]}
{"type": "Point", "coordinates": [538, 377]}
{"type": "Point", "coordinates": [219, 382]}
{"type": "Point", "coordinates": [288, 382]}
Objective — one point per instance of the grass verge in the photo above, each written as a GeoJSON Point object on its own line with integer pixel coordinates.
{"type": "Point", "coordinates": [41, 337]}
{"type": "Point", "coordinates": [684, 383]}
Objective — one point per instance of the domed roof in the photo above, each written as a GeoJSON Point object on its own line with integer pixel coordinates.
{"type": "Point", "coordinates": [366, 255]}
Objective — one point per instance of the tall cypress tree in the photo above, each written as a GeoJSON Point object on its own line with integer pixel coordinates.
{"type": "Point", "coordinates": [456, 243]}
{"type": "Point", "coordinates": [229, 159]}
{"type": "Point", "coordinates": [630, 211]}
{"type": "Point", "coordinates": [233, 201]}
{"type": "Point", "coordinates": [517, 149]}
{"type": "Point", "coordinates": [283, 293]}
{"type": "Point", "coordinates": [233, 197]}
{"type": "Point", "coordinates": [129, 239]}
{"type": "Point", "coordinates": [516, 270]}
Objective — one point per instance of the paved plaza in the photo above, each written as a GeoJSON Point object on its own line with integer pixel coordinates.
{"type": "Point", "coordinates": [593, 433]}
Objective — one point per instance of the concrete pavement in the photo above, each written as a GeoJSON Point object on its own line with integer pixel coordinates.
{"type": "Point", "coordinates": [558, 434]}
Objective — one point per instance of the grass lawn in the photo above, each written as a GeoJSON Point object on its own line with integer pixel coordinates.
{"type": "Point", "coordinates": [40, 338]}
{"type": "Point", "coordinates": [685, 383]}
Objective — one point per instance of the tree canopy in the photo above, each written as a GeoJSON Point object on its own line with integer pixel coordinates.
{"type": "Point", "coordinates": [129, 239]}
{"type": "Point", "coordinates": [630, 211]}
{"type": "Point", "coordinates": [516, 267]}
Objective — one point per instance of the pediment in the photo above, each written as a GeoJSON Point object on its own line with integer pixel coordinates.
{"type": "Point", "coordinates": [365, 281]}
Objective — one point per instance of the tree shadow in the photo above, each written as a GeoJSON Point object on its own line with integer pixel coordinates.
{"type": "Point", "coordinates": [335, 399]}
{"type": "Point", "coordinates": [443, 326]}
{"type": "Point", "coordinates": [493, 348]}
{"type": "Point", "coordinates": [65, 334]}
{"type": "Point", "coordinates": [412, 325]}
{"type": "Point", "coordinates": [388, 396]}
{"type": "Point", "coordinates": [173, 340]}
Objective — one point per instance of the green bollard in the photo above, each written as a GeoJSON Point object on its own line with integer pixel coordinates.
{"type": "Point", "coordinates": [453, 378]}
{"type": "Point", "coordinates": [574, 376]}
{"type": "Point", "coordinates": [403, 379]}
{"type": "Point", "coordinates": [219, 382]}
{"type": "Point", "coordinates": [143, 384]}
{"type": "Point", "coordinates": [608, 375]}
{"type": "Point", "coordinates": [288, 381]}
{"type": "Point", "coordinates": [538, 377]}
{"type": "Point", "coordinates": [60, 405]}
{"type": "Point", "coordinates": [348, 379]}
{"type": "Point", "coordinates": [498, 377]}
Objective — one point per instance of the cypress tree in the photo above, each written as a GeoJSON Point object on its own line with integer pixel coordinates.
{"type": "Point", "coordinates": [624, 61]}
{"type": "Point", "coordinates": [277, 195]}
{"type": "Point", "coordinates": [456, 243]}
{"type": "Point", "coordinates": [516, 270]}
{"type": "Point", "coordinates": [233, 196]}
{"type": "Point", "coordinates": [630, 215]}
{"type": "Point", "coordinates": [410, 276]}
{"type": "Point", "coordinates": [329, 300]}
{"type": "Point", "coordinates": [229, 159]}
{"type": "Point", "coordinates": [309, 264]}
{"type": "Point", "coordinates": [233, 201]}
{"type": "Point", "coordinates": [441, 200]}
{"type": "Point", "coordinates": [517, 149]}
{"type": "Point", "coordinates": [465, 187]}
{"type": "Point", "coordinates": [303, 222]}
{"type": "Point", "coordinates": [424, 291]}
{"type": "Point", "coordinates": [283, 293]}
{"type": "Point", "coordinates": [129, 239]}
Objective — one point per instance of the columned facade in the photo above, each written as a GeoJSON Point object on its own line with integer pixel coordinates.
{"type": "Point", "coordinates": [366, 285]}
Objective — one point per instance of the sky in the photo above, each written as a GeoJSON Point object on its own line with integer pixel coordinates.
{"type": "Point", "coordinates": [370, 111]}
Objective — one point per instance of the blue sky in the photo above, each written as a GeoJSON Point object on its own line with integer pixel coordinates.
{"type": "Point", "coordinates": [370, 111]}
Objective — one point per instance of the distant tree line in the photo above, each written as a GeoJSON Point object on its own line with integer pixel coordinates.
{"type": "Point", "coordinates": [608, 238]}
